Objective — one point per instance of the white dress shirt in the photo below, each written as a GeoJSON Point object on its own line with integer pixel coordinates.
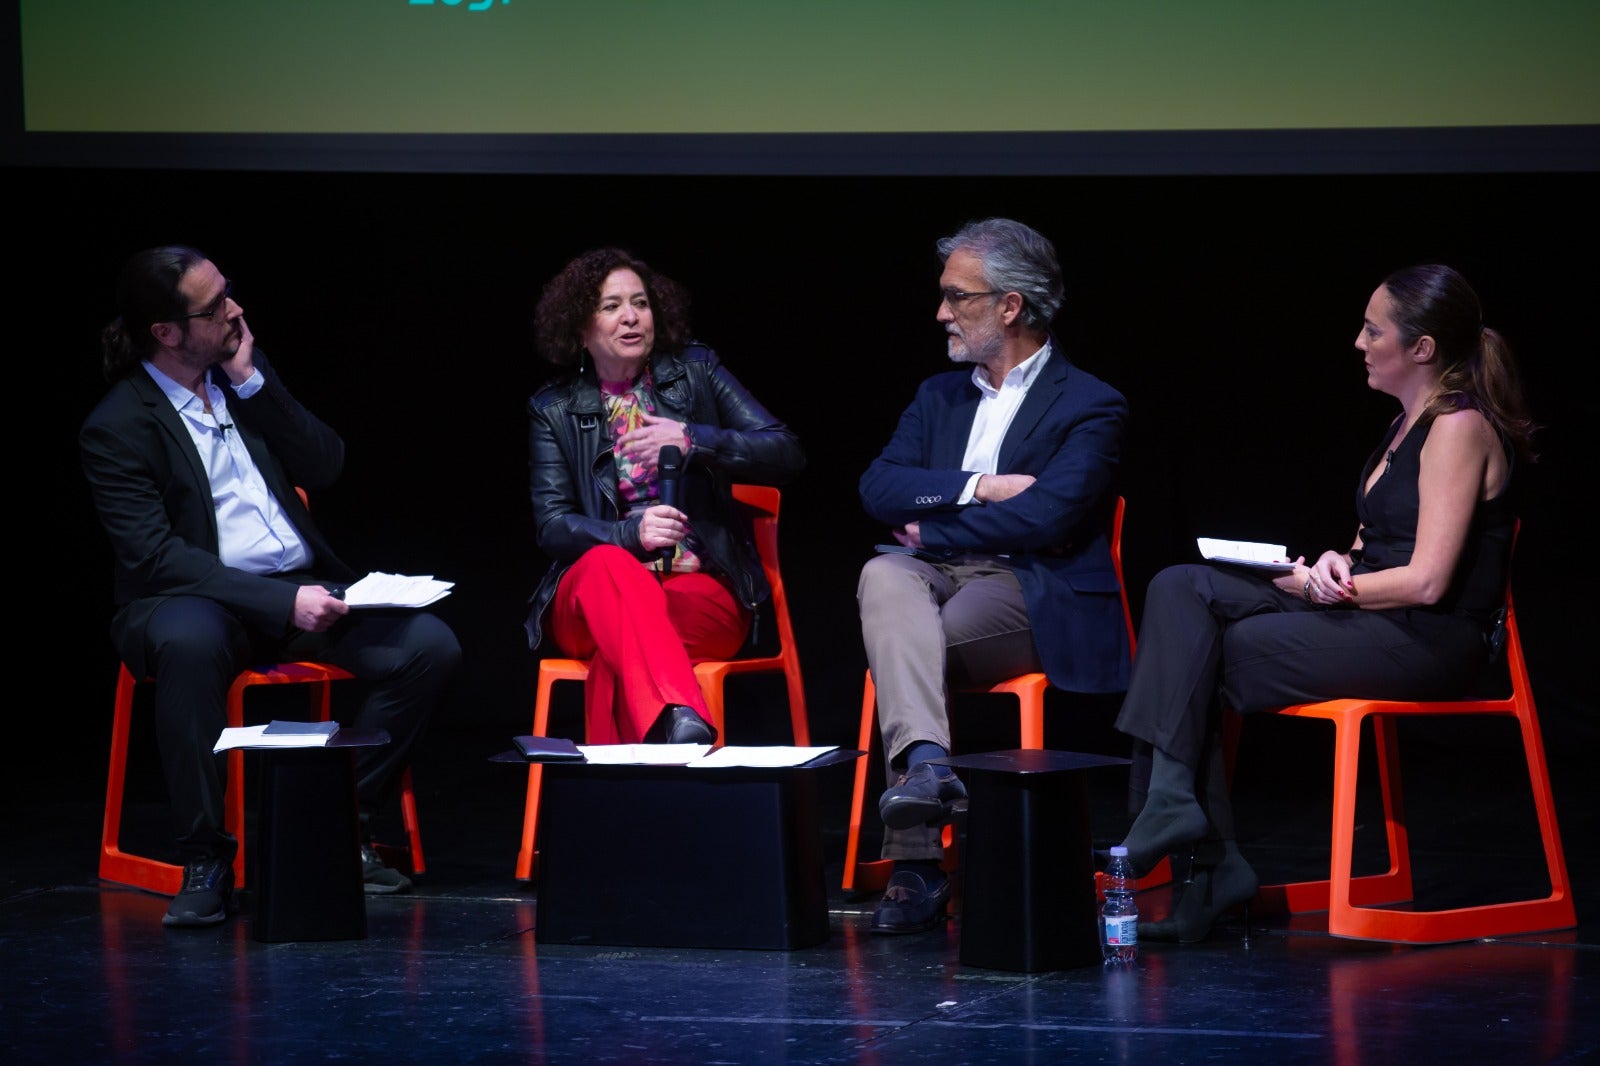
{"type": "Point", "coordinates": [252, 532]}
{"type": "Point", "coordinates": [996, 409]}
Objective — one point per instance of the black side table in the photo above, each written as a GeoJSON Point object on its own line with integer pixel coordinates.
{"type": "Point", "coordinates": [677, 856]}
{"type": "Point", "coordinates": [306, 864]}
{"type": "Point", "coordinates": [1028, 901]}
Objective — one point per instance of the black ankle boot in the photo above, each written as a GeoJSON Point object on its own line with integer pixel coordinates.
{"type": "Point", "coordinates": [1171, 817]}
{"type": "Point", "coordinates": [1212, 891]}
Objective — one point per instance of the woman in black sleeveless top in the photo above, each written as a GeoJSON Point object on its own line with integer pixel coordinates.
{"type": "Point", "coordinates": [1401, 614]}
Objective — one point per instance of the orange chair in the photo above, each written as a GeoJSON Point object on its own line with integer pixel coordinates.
{"type": "Point", "coordinates": [165, 877]}
{"type": "Point", "coordinates": [872, 875]}
{"type": "Point", "coordinates": [156, 876]}
{"type": "Point", "coordinates": [1363, 908]}
{"type": "Point", "coordinates": [761, 505]}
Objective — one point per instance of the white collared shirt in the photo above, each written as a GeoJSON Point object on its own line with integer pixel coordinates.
{"type": "Point", "coordinates": [996, 409]}
{"type": "Point", "coordinates": [252, 532]}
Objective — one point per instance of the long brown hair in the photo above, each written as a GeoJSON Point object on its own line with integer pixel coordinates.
{"type": "Point", "coordinates": [1433, 300]}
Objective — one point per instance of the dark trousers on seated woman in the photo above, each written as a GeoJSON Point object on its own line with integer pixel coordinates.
{"type": "Point", "coordinates": [642, 636]}
{"type": "Point", "coordinates": [1210, 632]}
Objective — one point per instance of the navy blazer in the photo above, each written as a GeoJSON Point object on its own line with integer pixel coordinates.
{"type": "Point", "coordinates": [1068, 435]}
{"type": "Point", "coordinates": [154, 499]}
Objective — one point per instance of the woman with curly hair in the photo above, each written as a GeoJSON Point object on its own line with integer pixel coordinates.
{"type": "Point", "coordinates": [1402, 614]}
{"type": "Point", "coordinates": [633, 452]}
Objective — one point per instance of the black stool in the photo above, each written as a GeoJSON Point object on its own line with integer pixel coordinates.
{"type": "Point", "coordinates": [674, 856]}
{"type": "Point", "coordinates": [1028, 893]}
{"type": "Point", "coordinates": [306, 864]}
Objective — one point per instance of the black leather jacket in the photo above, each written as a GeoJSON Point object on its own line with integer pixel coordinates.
{"type": "Point", "coordinates": [573, 478]}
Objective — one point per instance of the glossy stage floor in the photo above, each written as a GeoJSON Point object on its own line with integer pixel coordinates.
{"type": "Point", "coordinates": [452, 973]}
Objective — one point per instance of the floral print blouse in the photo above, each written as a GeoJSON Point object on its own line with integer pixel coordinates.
{"type": "Point", "coordinates": [626, 404]}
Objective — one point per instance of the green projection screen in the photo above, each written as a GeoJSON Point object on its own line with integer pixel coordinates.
{"type": "Point", "coordinates": [811, 86]}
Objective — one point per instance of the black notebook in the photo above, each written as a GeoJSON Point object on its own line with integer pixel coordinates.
{"type": "Point", "coordinates": [546, 749]}
{"type": "Point", "coordinates": [277, 728]}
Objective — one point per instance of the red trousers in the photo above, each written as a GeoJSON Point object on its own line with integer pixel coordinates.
{"type": "Point", "coordinates": [642, 637]}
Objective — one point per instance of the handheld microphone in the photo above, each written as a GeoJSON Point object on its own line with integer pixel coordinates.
{"type": "Point", "coordinates": [668, 466]}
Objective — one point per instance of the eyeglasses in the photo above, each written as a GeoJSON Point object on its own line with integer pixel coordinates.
{"type": "Point", "coordinates": [211, 312]}
{"type": "Point", "coordinates": [955, 297]}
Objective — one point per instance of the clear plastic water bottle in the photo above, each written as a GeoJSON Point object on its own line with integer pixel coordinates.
{"type": "Point", "coordinates": [1119, 914]}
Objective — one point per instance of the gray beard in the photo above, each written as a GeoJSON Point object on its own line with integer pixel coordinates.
{"type": "Point", "coordinates": [968, 355]}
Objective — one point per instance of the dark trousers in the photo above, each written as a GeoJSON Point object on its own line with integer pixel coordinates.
{"type": "Point", "coordinates": [1212, 635]}
{"type": "Point", "coordinates": [196, 647]}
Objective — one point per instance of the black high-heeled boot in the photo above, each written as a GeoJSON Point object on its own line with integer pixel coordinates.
{"type": "Point", "coordinates": [1171, 817]}
{"type": "Point", "coordinates": [1219, 877]}
{"type": "Point", "coordinates": [1213, 891]}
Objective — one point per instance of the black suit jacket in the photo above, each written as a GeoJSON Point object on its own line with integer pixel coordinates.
{"type": "Point", "coordinates": [154, 499]}
{"type": "Point", "coordinates": [1068, 435]}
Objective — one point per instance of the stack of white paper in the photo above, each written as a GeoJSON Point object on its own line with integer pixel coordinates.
{"type": "Point", "coordinates": [396, 590]}
{"type": "Point", "coordinates": [643, 754]}
{"type": "Point", "coordinates": [765, 755]}
{"type": "Point", "coordinates": [257, 736]}
{"type": "Point", "coordinates": [699, 755]}
{"type": "Point", "coordinates": [1254, 554]}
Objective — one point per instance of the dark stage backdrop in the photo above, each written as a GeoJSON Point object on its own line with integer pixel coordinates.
{"type": "Point", "coordinates": [397, 307]}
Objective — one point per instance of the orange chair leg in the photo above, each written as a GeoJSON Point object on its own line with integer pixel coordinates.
{"type": "Point", "coordinates": [797, 706]}
{"type": "Point", "coordinates": [873, 875]}
{"type": "Point", "coordinates": [408, 816]}
{"type": "Point", "coordinates": [530, 824]}
{"type": "Point", "coordinates": [116, 864]}
{"type": "Point", "coordinates": [1559, 909]}
{"type": "Point", "coordinates": [1394, 885]}
{"type": "Point", "coordinates": [153, 875]}
{"type": "Point", "coordinates": [528, 854]}
{"type": "Point", "coordinates": [712, 689]}
{"type": "Point", "coordinates": [1029, 690]}
{"type": "Point", "coordinates": [1391, 886]}
{"type": "Point", "coordinates": [712, 677]}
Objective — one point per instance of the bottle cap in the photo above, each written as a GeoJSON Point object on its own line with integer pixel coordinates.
{"type": "Point", "coordinates": [1118, 851]}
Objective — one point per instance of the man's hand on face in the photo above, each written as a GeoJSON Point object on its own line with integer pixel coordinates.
{"type": "Point", "coordinates": [241, 364]}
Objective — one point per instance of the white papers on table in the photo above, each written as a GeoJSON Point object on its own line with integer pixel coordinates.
{"type": "Point", "coordinates": [643, 754]}
{"type": "Point", "coordinates": [396, 590]}
{"type": "Point", "coordinates": [1250, 553]}
{"type": "Point", "coordinates": [256, 736]}
{"type": "Point", "coordinates": [699, 755]}
{"type": "Point", "coordinates": [765, 755]}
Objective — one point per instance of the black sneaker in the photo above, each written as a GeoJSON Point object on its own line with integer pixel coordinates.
{"type": "Point", "coordinates": [379, 879]}
{"type": "Point", "coordinates": [203, 899]}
